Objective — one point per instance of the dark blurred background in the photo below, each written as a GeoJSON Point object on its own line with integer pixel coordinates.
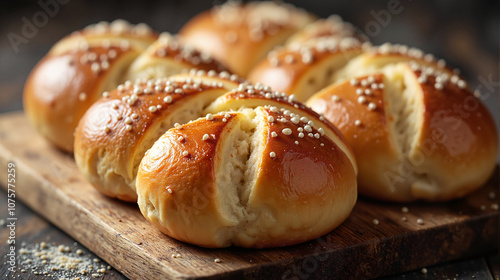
{"type": "Point", "coordinates": [464, 33]}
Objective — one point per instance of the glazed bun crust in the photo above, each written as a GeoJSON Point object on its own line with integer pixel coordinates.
{"type": "Point", "coordinates": [116, 131]}
{"type": "Point", "coordinates": [245, 179]}
{"type": "Point", "coordinates": [418, 133]}
{"type": "Point", "coordinates": [169, 56]}
{"type": "Point", "coordinates": [61, 88]}
{"type": "Point", "coordinates": [240, 35]}
{"type": "Point", "coordinates": [76, 71]}
{"type": "Point", "coordinates": [304, 70]}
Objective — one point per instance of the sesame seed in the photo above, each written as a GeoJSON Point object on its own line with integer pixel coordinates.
{"type": "Point", "coordinates": [354, 82]}
{"type": "Point", "coordinates": [274, 134]}
{"type": "Point", "coordinates": [287, 131]}
{"type": "Point", "coordinates": [128, 127]}
{"type": "Point", "coordinates": [272, 154]}
{"type": "Point", "coordinates": [404, 219]}
{"type": "Point", "coordinates": [209, 117]}
{"type": "Point", "coordinates": [364, 82]}
{"type": "Point", "coordinates": [454, 79]}
{"type": "Point", "coordinates": [321, 131]}
{"type": "Point", "coordinates": [316, 135]}
{"type": "Point", "coordinates": [152, 109]}
{"type": "Point", "coordinates": [169, 190]}
{"type": "Point", "coordinates": [296, 142]}
{"type": "Point", "coordinates": [368, 91]}
{"type": "Point", "coordinates": [461, 84]}
{"type": "Point", "coordinates": [134, 116]}
{"type": "Point", "coordinates": [420, 221]}
{"type": "Point", "coordinates": [424, 270]}
{"type": "Point", "coordinates": [177, 125]}
{"type": "Point", "coordinates": [438, 86]}
{"type": "Point", "coordinates": [274, 109]}
{"type": "Point", "coordinates": [357, 122]}
{"type": "Point", "coordinates": [185, 153]}
{"type": "Point", "coordinates": [128, 120]}
{"type": "Point", "coordinates": [322, 144]}
{"type": "Point", "coordinates": [405, 210]}
{"type": "Point", "coordinates": [217, 260]}
{"type": "Point", "coordinates": [105, 94]}
{"type": "Point", "coordinates": [335, 98]}
{"type": "Point", "coordinates": [178, 91]}
{"type": "Point", "coordinates": [106, 129]}
{"type": "Point", "coordinates": [422, 79]}
{"type": "Point", "coordinates": [381, 86]}
{"type": "Point", "coordinates": [372, 106]}
{"type": "Point", "coordinates": [374, 86]}
{"type": "Point", "coordinates": [494, 206]}
{"type": "Point", "coordinates": [180, 138]}
{"type": "Point", "coordinates": [376, 221]}
{"type": "Point", "coordinates": [300, 129]}
{"type": "Point", "coordinates": [361, 100]}
{"type": "Point", "coordinates": [82, 96]}
{"type": "Point", "coordinates": [289, 59]}
{"type": "Point", "coordinates": [301, 135]}
{"type": "Point", "coordinates": [359, 91]}
{"type": "Point", "coordinates": [168, 99]}
{"type": "Point", "coordinates": [205, 137]}
{"type": "Point", "coordinates": [483, 207]}
{"type": "Point", "coordinates": [308, 128]}
{"type": "Point", "coordinates": [370, 79]}
{"type": "Point", "coordinates": [310, 134]}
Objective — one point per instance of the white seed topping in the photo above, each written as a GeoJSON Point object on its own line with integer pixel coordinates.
{"type": "Point", "coordinates": [374, 86]}
{"type": "Point", "coordinates": [82, 96]}
{"type": "Point", "coordinates": [287, 131]}
{"type": "Point", "coordinates": [296, 142]}
{"type": "Point", "coordinates": [168, 99]}
{"type": "Point", "coordinates": [105, 94]}
{"type": "Point", "coordinates": [364, 82]}
{"type": "Point", "coordinates": [438, 86]}
{"type": "Point", "coordinates": [308, 128]}
{"type": "Point", "coordinates": [405, 209]}
{"type": "Point", "coordinates": [270, 119]}
{"type": "Point", "coordinates": [376, 221]}
{"type": "Point", "coordinates": [359, 91]}
{"type": "Point", "coordinates": [357, 122]}
{"type": "Point", "coordinates": [368, 91]}
{"type": "Point", "coordinates": [295, 120]}
{"type": "Point", "coordinates": [354, 82]}
{"type": "Point", "coordinates": [301, 135]}
{"type": "Point", "coordinates": [169, 190]}
{"type": "Point", "coordinates": [205, 137]}
{"type": "Point", "coordinates": [217, 260]}
{"type": "Point", "coordinates": [134, 116]}
{"type": "Point", "coordinates": [209, 117]}
{"type": "Point", "coordinates": [180, 138]}
{"type": "Point", "coordinates": [152, 109]}
{"type": "Point", "coordinates": [361, 100]}
{"type": "Point", "coordinates": [372, 106]}
{"type": "Point", "coordinates": [106, 129]}
{"type": "Point", "coordinates": [272, 154]}
{"type": "Point", "coordinates": [335, 98]}
{"type": "Point", "coordinates": [185, 153]}
{"type": "Point", "coordinates": [274, 134]}
{"type": "Point", "coordinates": [420, 221]}
{"type": "Point", "coordinates": [128, 120]}
{"type": "Point", "coordinates": [461, 84]}
{"type": "Point", "coordinates": [128, 127]}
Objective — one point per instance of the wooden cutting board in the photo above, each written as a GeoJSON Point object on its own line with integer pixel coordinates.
{"type": "Point", "coordinates": [49, 182]}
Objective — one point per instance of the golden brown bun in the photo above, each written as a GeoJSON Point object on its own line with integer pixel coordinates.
{"type": "Point", "coordinates": [116, 131]}
{"type": "Point", "coordinates": [247, 179]}
{"type": "Point", "coordinates": [240, 35]}
{"type": "Point", "coordinates": [168, 56]}
{"type": "Point", "coordinates": [415, 136]}
{"type": "Point", "coordinates": [74, 74]}
{"type": "Point", "coordinates": [304, 69]}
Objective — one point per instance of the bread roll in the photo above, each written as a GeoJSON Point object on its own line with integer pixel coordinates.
{"type": "Point", "coordinates": [417, 131]}
{"type": "Point", "coordinates": [247, 179]}
{"type": "Point", "coordinates": [240, 35]}
{"type": "Point", "coordinates": [168, 56]}
{"type": "Point", "coordinates": [116, 131]}
{"type": "Point", "coordinates": [76, 72]}
{"type": "Point", "coordinates": [304, 69]}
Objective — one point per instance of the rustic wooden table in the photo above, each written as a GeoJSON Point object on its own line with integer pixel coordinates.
{"type": "Point", "coordinates": [465, 34]}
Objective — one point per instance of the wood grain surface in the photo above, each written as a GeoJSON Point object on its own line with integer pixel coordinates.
{"type": "Point", "coordinates": [49, 182]}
